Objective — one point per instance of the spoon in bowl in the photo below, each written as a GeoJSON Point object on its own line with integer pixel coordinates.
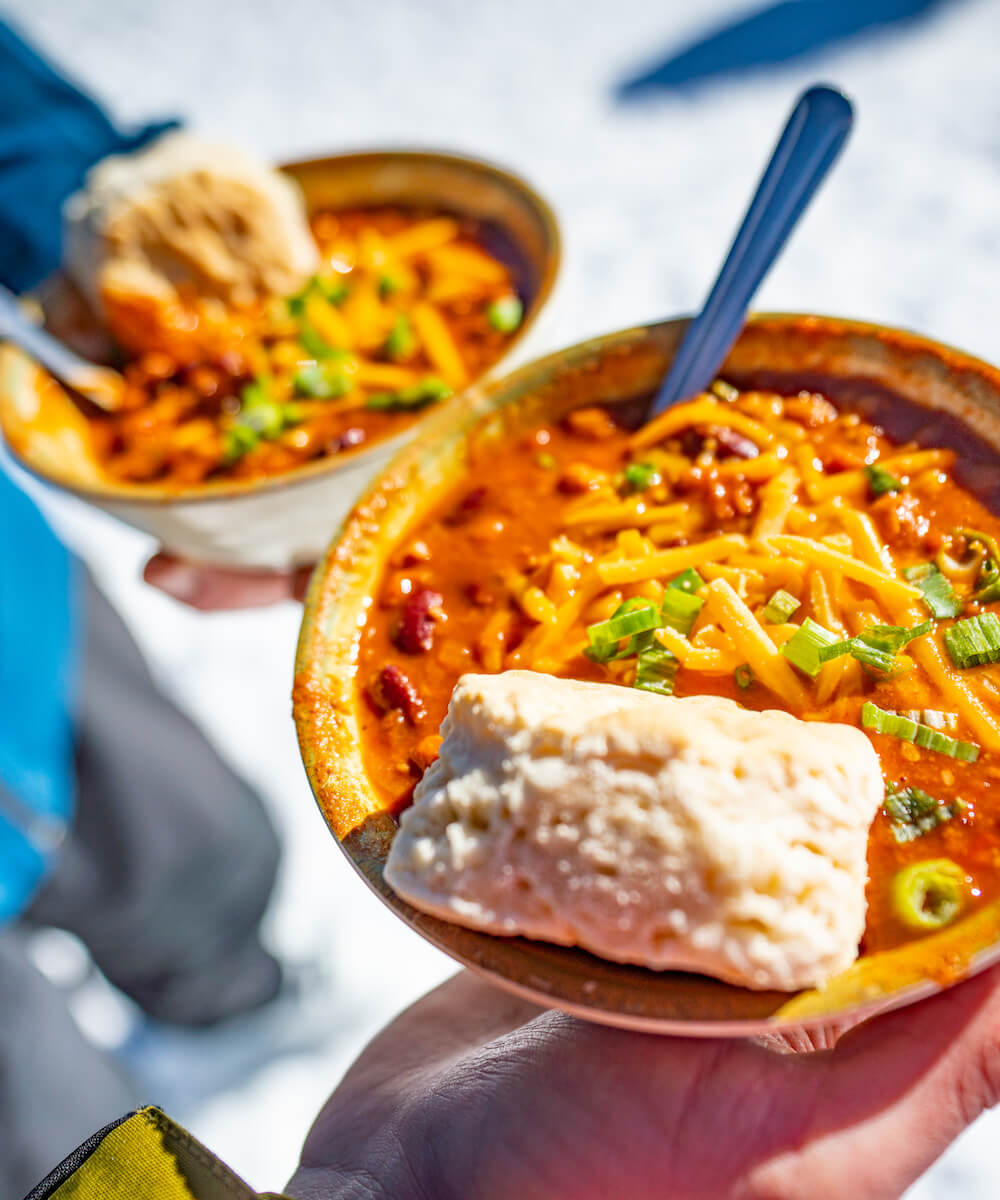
{"type": "Point", "coordinates": [100, 385]}
{"type": "Point", "coordinates": [816, 131]}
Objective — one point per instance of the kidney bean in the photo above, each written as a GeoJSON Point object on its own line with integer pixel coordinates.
{"type": "Point", "coordinates": [735, 444]}
{"type": "Point", "coordinates": [416, 552]}
{"type": "Point", "coordinates": [415, 632]}
{"type": "Point", "coordinates": [392, 689]}
{"type": "Point", "coordinates": [468, 506]}
{"type": "Point", "coordinates": [692, 443]}
{"type": "Point", "coordinates": [346, 441]}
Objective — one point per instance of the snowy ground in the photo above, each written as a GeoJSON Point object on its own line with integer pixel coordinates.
{"type": "Point", "coordinates": [907, 232]}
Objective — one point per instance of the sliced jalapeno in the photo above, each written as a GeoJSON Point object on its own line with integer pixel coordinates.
{"type": "Point", "coordinates": [929, 895]}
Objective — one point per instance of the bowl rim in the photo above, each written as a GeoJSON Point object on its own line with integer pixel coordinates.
{"type": "Point", "coordinates": [157, 496]}
{"type": "Point", "coordinates": [323, 751]}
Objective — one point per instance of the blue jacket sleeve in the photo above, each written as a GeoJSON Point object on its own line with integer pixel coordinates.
{"type": "Point", "coordinates": [50, 135]}
{"type": "Point", "coordinates": [38, 656]}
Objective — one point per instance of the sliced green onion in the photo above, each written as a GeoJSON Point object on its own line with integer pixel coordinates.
{"type": "Point", "coordinates": [939, 720]}
{"type": "Point", "coordinates": [934, 739]}
{"type": "Point", "coordinates": [334, 291]}
{"type": "Point", "coordinates": [907, 730]}
{"type": "Point", "coordinates": [546, 460]}
{"type": "Point", "coordinates": [320, 383]}
{"type": "Point", "coordinates": [310, 380]}
{"type": "Point", "coordinates": [939, 595]}
{"type": "Point", "coordinates": [892, 638]}
{"type": "Point", "coordinates": [418, 395]}
{"type": "Point", "coordinates": [505, 314]}
{"type": "Point", "coordinates": [634, 616]}
{"type": "Point", "coordinates": [725, 391]}
{"type": "Point", "coordinates": [913, 812]}
{"type": "Point", "coordinates": [260, 416]}
{"type": "Point", "coordinates": [875, 659]}
{"type": "Point", "coordinates": [882, 721]}
{"type": "Point", "coordinates": [803, 648]}
{"type": "Point", "coordinates": [929, 895]}
{"type": "Point", "coordinates": [637, 619]}
{"type": "Point", "coordinates": [680, 609]}
{"type": "Point", "coordinates": [606, 652]}
{"type": "Point", "coordinates": [974, 641]}
{"type": "Point", "coordinates": [641, 475]}
{"type": "Point", "coordinates": [744, 676]}
{"type": "Point", "coordinates": [316, 345]}
{"type": "Point", "coordinates": [780, 607]}
{"type": "Point", "coordinates": [835, 649]}
{"type": "Point", "coordinates": [401, 342]}
{"type": "Point", "coordinates": [270, 419]}
{"type": "Point", "coordinates": [237, 441]}
{"type": "Point", "coordinates": [388, 285]}
{"type": "Point", "coordinates": [930, 716]}
{"type": "Point", "coordinates": [880, 481]}
{"type": "Point", "coordinates": [258, 410]}
{"type": "Point", "coordinates": [687, 581]}
{"type": "Point", "coordinates": [876, 646]}
{"type": "Point", "coordinates": [988, 583]}
{"type": "Point", "coordinates": [656, 671]}
{"type": "Point", "coordinates": [256, 392]}
{"type": "Point", "coordinates": [976, 535]}
{"type": "Point", "coordinates": [987, 590]}
{"type": "Point", "coordinates": [264, 418]}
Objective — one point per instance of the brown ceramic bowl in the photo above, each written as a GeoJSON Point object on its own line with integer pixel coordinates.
{"type": "Point", "coordinates": [287, 519]}
{"type": "Point", "coordinates": [860, 361]}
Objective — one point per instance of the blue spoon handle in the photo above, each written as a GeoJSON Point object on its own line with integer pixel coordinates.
{"type": "Point", "coordinates": [811, 141]}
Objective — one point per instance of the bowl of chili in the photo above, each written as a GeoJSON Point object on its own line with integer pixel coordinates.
{"type": "Point", "coordinates": [512, 533]}
{"type": "Point", "coordinates": [435, 268]}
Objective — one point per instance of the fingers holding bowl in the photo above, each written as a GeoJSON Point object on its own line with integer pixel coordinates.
{"type": "Point", "coordinates": [213, 589]}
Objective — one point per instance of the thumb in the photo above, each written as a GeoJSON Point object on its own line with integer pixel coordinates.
{"type": "Point", "coordinates": [900, 1088]}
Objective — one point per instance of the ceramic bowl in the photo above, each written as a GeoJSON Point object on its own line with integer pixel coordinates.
{"type": "Point", "coordinates": [286, 520]}
{"type": "Point", "coordinates": [956, 396]}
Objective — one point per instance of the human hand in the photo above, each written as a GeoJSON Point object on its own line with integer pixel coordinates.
{"type": "Point", "coordinates": [213, 588]}
{"type": "Point", "coordinates": [472, 1092]}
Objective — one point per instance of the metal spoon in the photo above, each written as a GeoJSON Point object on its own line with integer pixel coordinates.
{"type": "Point", "coordinates": [100, 385]}
{"type": "Point", "coordinates": [808, 147]}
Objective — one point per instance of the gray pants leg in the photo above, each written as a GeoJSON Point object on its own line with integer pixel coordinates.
{"type": "Point", "coordinates": [55, 1087]}
{"type": "Point", "coordinates": [172, 858]}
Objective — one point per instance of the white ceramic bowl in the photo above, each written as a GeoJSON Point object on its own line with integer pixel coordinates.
{"type": "Point", "coordinates": [286, 520]}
